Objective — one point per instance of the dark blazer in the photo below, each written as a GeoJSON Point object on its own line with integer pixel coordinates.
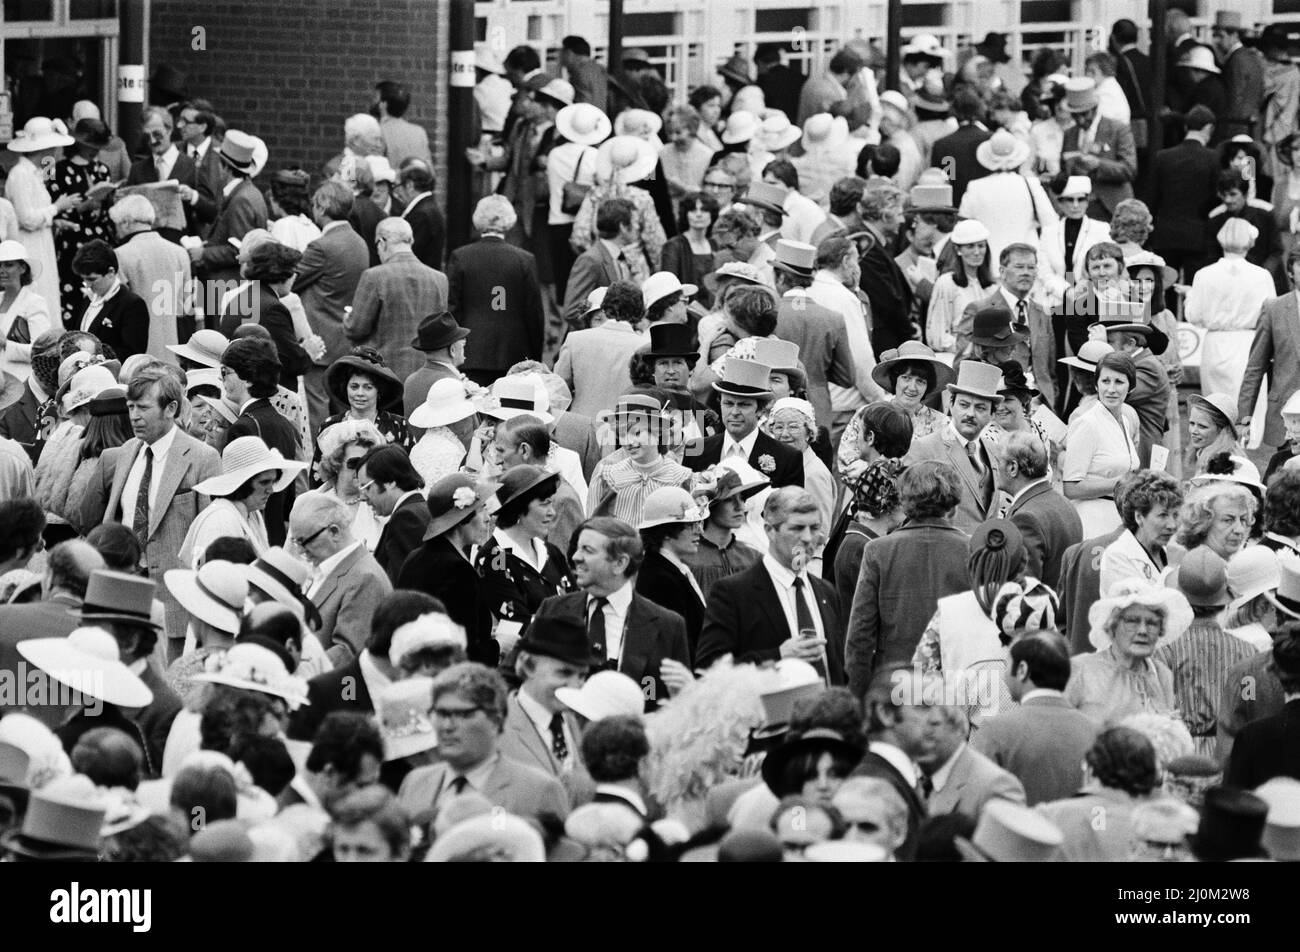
{"type": "Point", "coordinates": [514, 590]}
{"type": "Point", "coordinates": [1251, 692]}
{"type": "Point", "coordinates": [745, 619]}
{"type": "Point", "coordinates": [365, 219]}
{"type": "Point", "coordinates": [209, 186]}
{"type": "Point", "coordinates": [1112, 180]}
{"type": "Point", "coordinates": [1135, 76]}
{"type": "Point", "coordinates": [258, 304]}
{"type": "Point", "coordinates": [108, 715]}
{"type": "Point", "coordinates": [327, 279]}
{"type": "Point", "coordinates": [184, 171]}
{"type": "Point", "coordinates": [1050, 524]}
{"type": "Point", "coordinates": [1266, 749]}
{"type": "Point", "coordinates": [264, 421]}
{"type": "Point", "coordinates": [239, 214]}
{"type": "Point", "coordinates": [664, 584]}
{"type": "Point", "coordinates": [955, 154]}
{"type": "Point", "coordinates": [1243, 79]}
{"type": "Point", "coordinates": [1079, 586]}
{"type": "Point", "coordinates": [788, 469]}
{"type": "Point", "coordinates": [504, 315]}
{"type": "Point", "coordinates": [650, 634]}
{"type": "Point", "coordinates": [439, 570]}
{"type": "Point", "coordinates": [1211, 93]}
{"type": "Point", "coordinates": [21, 422]}
{"type": "Point", "coordinates": [343, 689]}
{"type": "Point", "coordinates": [155, 721]}
{"type": "Point", "coordinates": [874, 765]}
{"type": "Point", "coordinates": [594, 268]}
{"type": "Point", "coordinates": [45, 619]}
{"type": "Point", "coordinates": [1150, 398]}
{"type": "Point", "coordinates": [429, 229]}
{"type": "Point", "coordinates": [402, 535]}
{"type": "Point", "coordinates": [1181, 193]}
{"type": "Point", "coordinates": [781, 87]}
{"type": "Point", "coordinates": [123, 324]}
{"type": "Point", "coordinates": [1042, 743]}
{"type": "Point", "coordinates": [889, 294]}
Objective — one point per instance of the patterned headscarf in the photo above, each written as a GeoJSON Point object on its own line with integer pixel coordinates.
{"type": "Point", "coordinates": [45, 361]}
{"type": "Point", "coordinates": [1024, 606]}
{"type": "Point", "coordinates": [875, 492]}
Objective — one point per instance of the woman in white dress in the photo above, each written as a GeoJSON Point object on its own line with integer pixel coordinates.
{"type": "Point", "coordinates": [1225, 299]}
{"type": "Point", "coordinates": [25, 187]}
{"type": "Point", "coordinates": [448, 419]}
{"type": "Point", "coordinates": [1014, 207]}
{"type": "Point", "coordinates": [1100, 447]}
{"type": "Point", "coordinates": [971, 281]}
{"type": "Point", "coordinates": [24, 314]}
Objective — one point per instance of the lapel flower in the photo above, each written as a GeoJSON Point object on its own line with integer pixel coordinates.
{"type": "Point", "coordinates": [766, 463]}
{"type": "Point", "coordinates": [463, 497]}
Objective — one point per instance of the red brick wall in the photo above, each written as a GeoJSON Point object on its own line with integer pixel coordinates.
{"type": "Point", "coordinates": [290, 71]}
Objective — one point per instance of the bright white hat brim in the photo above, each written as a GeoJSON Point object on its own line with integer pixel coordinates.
{"type": "Point", "coordinates": [95, 677]}
{"type": "Point", "coordinates": [427, 416]}
{"type": "Point", "coordinates": [227, 483]}
{"type": "Point", "coordinates": [184, 586]}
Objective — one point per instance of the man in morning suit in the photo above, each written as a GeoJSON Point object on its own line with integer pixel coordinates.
{"type": "Point", "coordinates": [241, 208]}
{"type": "Point", "coordinates": [1270, 747]}
{"type": "Point", "coordinates": [883, 282]}
{"type": "Point", "coordinates": [1181, 190]}
{"type": "Point", "coordinates": [394, 490]}
{"type": "Point", "coordinates": [1274, 353]}
{"type": "Point", "coordinates": [955, 153]}
{"type": "Point", "coordinates": [1048, 521]}
{"type": "Point", "coordinates": [767, 611]}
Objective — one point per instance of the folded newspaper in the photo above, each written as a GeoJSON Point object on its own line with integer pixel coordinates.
{"type": "Point", "coordinates": [169, 210]}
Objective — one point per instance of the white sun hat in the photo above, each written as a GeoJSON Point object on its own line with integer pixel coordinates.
{"type": "Point", "coordinates": [41, 133]}
{"type": "Point", "coordinates": [244, 458]}
{"type": "Point", "coordinates": [604, 694]}
{"type": "Point", "coordinates": [89, 661]}
{"type": "Point", "coordinates": [446, 402]}
{"type": "Point", "coordinates": [214, 594]}
{"type": "Point", "coordinates": [403, 711]}
{"type": "Point", "coordinates": [519, 394]}
{"type": "Point", "coordinates": [432, 630]}
{"type": "Point", "coordinates": [669, 505]}
{"type": "Point", "coordinates": [1136, 591]}
{"type": "Point", "coordinates": [661, 284]}
{"type": "Point", "coordinates": [87, 383]}
{"type": "Point", "coordinates": [253, 668]}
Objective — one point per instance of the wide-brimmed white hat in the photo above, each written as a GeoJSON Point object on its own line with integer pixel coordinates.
{"type": "Point", "coordinates": [777, 132]}
{"type": "Point", "coordinates": [403, 711]}
{"type": "Point", "coordinates": [214, 594]}
{"type": "Point", "coordinates": [486, 59]}
{"type": "Point", "coordinates": [89, 661]}
{"type": "Point", "coordinates": [244, 458]}
{"type": "Point", "coordinates": [925, 44]}
{"type": "Point", "coordinates": [204, 347]}
{"type": "Point", "coordinates": [518, 394]}
{"type": "Point", "coordinates": [1135, 591]}
{"type": "Point", "coordinates": [447, 402]}
{"type": "Point", "coordinates": [86, 384]}
{"type": "Point", "coordinates": [560, 90]}
{"type": "Point", "coordinates": [254, 668]}
{"type": "Point", "coordinates": [583, 123]}
{"type": "Point", "coordinates": [41, 133]}
{"type": "Point", "coordinates": [1244, 472]}
{"type": "Point", "coordinates": [1252, 572]}
{"type": "Point", "coordinates": [824, 131]}
{"type": "Point", "coordinates": [661, 284]}
{"type": "Point", "coordinates": [641, 123]}
{"type": "Point", "coordinates": [203, 377]}
{"type": "Point", "coordinates": [741, 126]}
{"type": "Point", "coordinates": [11, 250]}
{"type": "Point", "coordinates": [1002, 151]}
{"type": "Point", "coordinates": [498, 834]}
{"type": "Point", "coordinates": [1196, 57]}
{"type": "Point", "coordinates": [669, 505]}
{"type": "Point", "coordinates": [222, 406]}
{"type": "Point", "coordinates": [1149, 259]}
{"type": "Point", "coordinates": [631, 158]}
{"type": "Point", "coordinates": [595, 301]}
{"type": "Point", "coordinates": [1089, 356]}
{"type": "Point", "coordinates": [381, 170]}
{"type": "Point", "coordinates": [433, 630]}
{"type": "Point", "coordinates": [604, 694]}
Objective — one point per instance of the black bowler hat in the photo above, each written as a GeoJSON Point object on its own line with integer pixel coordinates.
{"type": "Point", "coordinates": [438, 331]}
{"type": "Point", "coordinates": [1232, 823]}
{"type": "Point", "coordinates": [561, 637]}
{"type": "Point", "coordinates": [992, 327]}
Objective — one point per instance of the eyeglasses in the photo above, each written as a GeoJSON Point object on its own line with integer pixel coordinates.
{"type": "Point", "coordinates": [303, 543]}
{"type": "Point", "coordinates": [455, 715]}
{"type": "Point", "coordinates": [717, 185]}
{"type": "Point", "coordinates": [1135, 623]}
{"type": "Point", "coordinates": [362, 487]}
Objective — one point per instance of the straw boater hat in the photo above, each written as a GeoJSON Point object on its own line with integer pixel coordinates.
{"type": "Point", "coordinates": [661, 284]}
{"type": "Point", "coordinates": [1081, 94]}
{"type": "Point", "coordinates": [766, 196]}
{"type": "Point", "coordinates": [204, 347]}
{"type": "Point", "coordinates": [604, 694]}
{"type": "Point", "coordinates": [88, 660]}
{"type": "Point", "coordinates": [741, 126]}
{"type": "Point", "coordinates": [1221, 407]}
{"type": "Point", "coordinates": [403, 711]}
{"type": "Point", "coordinates": [1149, 259]}
{"type": "Point", "coordinates": [583, 123]}
{"type": "Point", "coordinates": [63, 822]}
{"type": "Point", "coordinates": [777, 132]}
{"type": "Point", "coordinates": [251, 667]}
{"type": "Point", "coordinates": [244, 458]}
{"type": "Point", "coordinates": [745, 378]}
{"type": "Point", "coordinates": [911, 352]}
{"type": "Point", "coordinates": [214, 594]}
{"type": "Point", "coordinates": [447, 402]}
{"type": "Point", "coordinates": [1196, 57]}
{"type": "Point", "coordinates": [118, 597]}
{"type": "Point", "coordinates": [452, 500]}
{"type": "Point", "coordinates": [1089, 356]}
{"type": "Point", "coordinates": [1178, 614]}
{"type": "Point", "coordinates": [667, 506]}
{"type": "Point", "coordinates": [824, 131]}
{"type": "Point", "coordinates": [367, 361]}
{"type": "Point", "coordinates": [1002, 152]}
{"type": "Point", "coordinates": [520, 394]}
{"type": "Point", "coordinates": [630, 158]}
{"type": "Point", "coordinates": [41, 133]}
{"type": "Point", "coordinates": [282, 577]}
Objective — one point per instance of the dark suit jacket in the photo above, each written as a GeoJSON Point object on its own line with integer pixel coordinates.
{"type": "Point", "coordinates": [429, 229]}
{"type": "Point", "coordinates": [789, 464]}
{"type": "Point", "coordinates": [1079, 586]}
{"type": "Point", "coordinates": [1050, 524]}
{"type": "Point", "coordinates": [123, 324]}
{"type": "Point", "coordinates": [209, 186]}
{"type": "Point", "coordinates": [20, 422]}
{"type": "Point", "coordinates": [45, 619]}
{"type": "Point", "coordinates": [745, 619]}
{"type": "Point", "coordinates": [1135, 76]}
{"type": "Point", "coordinates": [889, 294]}
{"type": "Point", "coordinates": [343, 689]}
{"type": "Point", "coordinates": [576, 432]}
{"type": "Point", "coordinates": [1180, 193]}
{"type": "Point", "coordinates": [264, 421]}
{"type": "Point", "coordinates": [327, 279]}
{"type": "Point", "coordinates": [781, 87]}
{"type": "Point", "coordinates": [955, 154]}
{"type": "Point", "coordinates": [1112, 180]}
{"type": "Point", "coordinates": [155, 721]}
{"type": "Point", "coordinates": [1150, 398]}
{"type": "Point", "coordinates": [650, 634]}
{"type": "Point", "coordinates": [504, 315]}
{"type": "Point", "coordinates": [1265, 749]}
{"type": "Point", "coordinates": [1042, 743]}
{"type": "Point", "coordinates": [664, 584]}
{"type": "Point", "coordinates": [595, 268]}
{"type": "Point", "coordinates": [823, 345]}
{"type": "Point", "coordinates": [439, 570]}
{"type": "Point", "coordinates": [185, 172]}
{"type": "Point", "coordinates": [239, 214]}
{"type": "Point", "coordinates": [874, 765]}
{"type": "Point", "coordinates": [258, 304]}
{"type": "Point", "coordinates": [1251, 692]}
{"type": "Point", "coordinates": [1243, 80]}
{"type": "Point", "coordinates": [402, 535]}
{"type": "Point", "coordinates": [365, 218]}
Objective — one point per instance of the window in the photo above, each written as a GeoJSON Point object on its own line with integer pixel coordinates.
{"type": "Point", "coordinates": [28, 11]}
{"type": "Point", "coordinates": [1046, 11]}
{"type": "Point", "coordinates": [1286, 6]}
{"type": "Point", "coordinates": [480, 29]}
{"type": "Point", "coordinates": [650, 24]}
{"type": "Point", "coordinates": [924, 15]}
{"type": "Point", "coordinates": [92, 10]}
{"type": "Point", "coordinates": [782, 20]}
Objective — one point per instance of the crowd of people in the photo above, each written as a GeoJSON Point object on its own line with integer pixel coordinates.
{"type": "Point", "coordinates": [803, 471]}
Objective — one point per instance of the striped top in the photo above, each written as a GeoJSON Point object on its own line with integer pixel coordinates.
{"type": "Point", "coordinates": [1200, 661]}
{"type": "Point", "coordinates": [619, 489]}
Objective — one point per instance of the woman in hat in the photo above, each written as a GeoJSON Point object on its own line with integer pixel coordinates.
{"type": "Point", "coordinates": [670, 530]}
{"type": "Point", "coordinates": [875, 509]}
{"type": "Point", "coordinates": [623, 164]}
{"type": "Point", "coordinates": [1012, 414]}
{"type": "Point", "coordinates": [289, 200]}
{"type": "Point", "coordinates": [341, 447]}
{"type": "Point", "coordinates": [362, 381]}
{"type": "Point", "coordinates": [24, 315]}
{"type": "Point", "coordinates": [448, 420]}
{"type": "Point", "coordinates": [689, 253]}
{"type": "Point", "coordinates": [1015, 207]}
{"type": "Point", "coordinates": [58, 461]}
{"type": "Point", "coordinates": [1151, 504]}
{"type": "Point", "coordinates": [518, 566]}
{"type": "Point", "coordinates": [910, 375]}
{"type": "Point", "coordinates": [970, 280]}
{"type": "Point", "coordinates": [641, 463]}
{"type": "Point", "coordinates": [1254, 575]}
{"type": "Point", "coordinates": [1122, 676]}
{"type": "Point", "coordinates": [793, 422]}
{"type": "Point", "coordinates": [1211, 430]}
{"type": "Point", "coordinates": [1101, 446]}
{"type": "Point", "coordinates": [812, 765]}
{"type": "Point", "coordinates": [80, 174]}
{"type": "Point", "coordinates": [108, 427]}
{"type": "Point", "coordinates": [1150, 278]}
{"type": "Point", "coordinates": [720, 553]}
{"type": "Point", "coordinates": [250, 473]}
{"type": "Point", "coordinates": [36, 145]}
{"type": "Point", "coordinates": [570, 172]}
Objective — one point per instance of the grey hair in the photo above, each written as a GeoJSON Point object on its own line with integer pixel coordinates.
{"type": "Point", "coordinates": [1198, 509]}
{"type": "Point", "coordinates": [395, 230]}
{"type": "Point", "coordinates": [322, 507]}
{"type": "Point", "coordinates": [159, 113]}
{"type": "Point", "coordinates": [878, 198]}
{"type": "Point", "coordinates": [361, 125]}
{"type": "Point", "coordinates": [494, 214]}
{"type": "Point", "coordinates": [133, 208]}
{"type": "Point", "coordinates": [1026, 450]}
{"type": "Point", "coordinates": [786, 502]}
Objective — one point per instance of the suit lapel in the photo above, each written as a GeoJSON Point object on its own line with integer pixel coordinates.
{"type": "Point", "coordinates": [770, 601]}
{"type": "Point", "coordinates": [957, 455]}
{"type": "Point", "coordinates": [178, 463]}
{"type": "Point", "coordinates": [130, 450]}
{"type": "Point", "coordinates": [526, 731]}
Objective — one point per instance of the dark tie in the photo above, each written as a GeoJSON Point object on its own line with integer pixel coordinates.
{"type": "Point", "coordinates": [140, 519]}
{"type": "Point", "coordinates": [624, 267]}
{"type": "Point", "coordinates": [803, 619]}
{"type": "Point", "coordinates": [925, 787]}
{"type": "Point", "coordinates": [981, 473]}
{"type": "Point", "coordinates": [558, 746]}
{"type": "Point", "coordinates": [458, 785]}
{"type": "Point", "coordinates": [1022, 314]}
{"type": "Point", "coordinates": [596, 628]}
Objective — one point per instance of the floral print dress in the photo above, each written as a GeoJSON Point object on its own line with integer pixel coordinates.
{"type": "Point", "coordinates": [76, 178]}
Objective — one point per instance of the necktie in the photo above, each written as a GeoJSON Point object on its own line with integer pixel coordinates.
{"type": "Point", "coordinates": [736, 451]}
{"type": "Point", "coordinates": [458, 784]}
{"type": "Point", "coordinates": [624, 269]}
{"type": "Point", "coordinates": [981, 472]}
{"type": "Point", "coordinates": [140, 519]}
{"type": "Point", "coordinates": [596, 628]}
{"type": "Point", "coordinates": [1022, 314]}
{"type": "Point", "coordinates": [558, 745]}
{"type": "Point", "coordinates": [803, 619]}
{"type": "Point", "coordinates": [925, 787]}
{"type": "Point", "coordinates": [159, 163]}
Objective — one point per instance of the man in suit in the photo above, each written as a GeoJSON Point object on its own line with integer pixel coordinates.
{"type": "Point", "coordinates": [251, 372]}
{"type": "Point", "coordinates": [955, 777]}
{"type": "Point", "coordinates": [1275, 353]}
{"type": "Point", "coordinates": [614, 749]}
{"type": "Point", "coordinates": [147, 483]}
{"type": "Point", "coordinates": [1099, 148]}
{"type": "Point", "coordinates": [590, 79]}
{"type": "Point", "coordinates": [392, 297]}
{"type": "Point", "coordinates": [196, 124]}
{"type": "Point", "coordinates": [781, 84]}
{"type": "Point", "coordinates": [746, 390]}
{"type": "Point", "coordinates": [116, 315]}
{"type": "Point", "coordinates": [1048, 521]}
{"type": "Point", "coordinates": [903, 576]}
{"type": "Point", "coordinates": [68, 568]}
{"type": "Point", "coordinates": [167, 163]}
{"type": "Point", "coordinates": [442, 342]}
{"type": "Point", "coordinates": [505, 314]}
{"type": "Point", "coordinates": [1042, 742]}
{"type": "Point", "coordinates": [1181, 192]}
{"type": "Point", "coordinates": [883, 282]}
{"type": "Point", "coordinates": [1149, 396]}
{"type": "Point", "coordinates": [603, 263]}
{"type": "Point", "coordinates": [347, 753]}
{"type": "Point", "coordinates": [348, 583]}
{"type": "Point", "coordinates": [626, 632]}
{"type": "Point", "coordinates": [155, 269]}
{"type": "Point", "coordinates": [820, 333]}
{"type": "Point", "coordinates": [1270, 747]}
{"type": "Point", "coordinates": [470, 706]}
{"type": "Point", "coordinates": [394, 490]}
{"type": "Point", "coordinates": [594, 362]}
{"type": "Point", "coordinates": [404, 139]}
{"type": "Point", "coordinates": [964, 443]}
{"type": "Point", "coordinates": [1132, 67]}
{"type": "Point", "coordinates": [955, 153]}
{"type": "Point", "coordinates": [1266, 252]}
{"type": "Point", "coordinates": [776, 609]}
{"type": "Point", "coordinates": [1243, 77]}
{"type": "Point", "coordinates": [241, 208]}
{"type": "Point", "coordinates": [414, 190]}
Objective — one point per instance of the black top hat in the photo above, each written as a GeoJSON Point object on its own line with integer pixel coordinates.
{"type": "Point", "coordinates": [671, 340]}
{"type": "Point", "coordinates": [562, 637]}
{"type": "Point", "coordinates": [992, 327]}
{"type": "Point", "coordinates": [368, 361]}
{"type": "Point", "coordinates": [438, 331]}
{"type": "Point", "coordinates": [1232, 822]}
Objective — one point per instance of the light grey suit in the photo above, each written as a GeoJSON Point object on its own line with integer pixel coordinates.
{"type": "Point", "coordinates": [390, 302]}
{"type": "Point", "coordinates": [346, 600]}
{"type": "Point", "coordinates": [823, 344]}
{"type": "Point", "coordinates": [973, 781]}
{"type": "Point", "coordinates": [1042, 743]}
{"type": "Point", "coordinates": [517, 788]}
{"type": "Point", "coordinates": [521, 742]}
{"type": "Point", "coordinates": [947, 447]}
{"type": "Point", "coordinates": [594, 363]}
{"type": "Point", "coordinates": [189, 462]}
{"type": "Point", "coordinates": [1276, 352]}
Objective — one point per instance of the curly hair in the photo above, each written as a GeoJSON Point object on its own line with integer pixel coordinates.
{"type": "Point", "coordinates": [930, 489]}
{"type": "Point", "coordinates": [1124, 759]}
{"type": "Point", "coordinates": [834, 709]}
{"type": "Point", "coordinates": [1151, 488]}
{"type": "Point", "coordinates": [1197, 517]}
{"type": "Point", "coordinates": [1282, 504]}
{"type": "Point", "coordinates": [478, 684]}
{"type": "Point", "coordinates": [614, 747]}
{"type": "Point", "coordinates": [1131, 222]}
{"type": "Point", "coordinates": [229, 714]}
{"type": "Point", "coordinates": [159, 838]}
{"type": "Point", "coordinates": [335, 440]}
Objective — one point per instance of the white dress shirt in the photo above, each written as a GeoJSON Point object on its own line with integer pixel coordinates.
{"type": "Point", "coordinates": [166, 162]}
{"type": "Point", "coordinates": [746, 445]}
{"type": "Point", "coordinates": [329, 565]}
{"type": "Point", "coordinates": [200, 151]}
{"type": "Point", "coordinates": [541, 719]}
{"type": "Point", "coordinates": [131, 488]}
{"type": "Point", "coordinates": [803, 216]}
{"type": "Point", "coordinates": [97, 304]}
{"type": "Point", "coordinates": [616, 608]}
{"type": "Point", "coordinates": [783, 580]}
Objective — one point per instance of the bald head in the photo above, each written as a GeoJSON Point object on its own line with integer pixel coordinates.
{"type": "Point", "coordinates": [69, 566]}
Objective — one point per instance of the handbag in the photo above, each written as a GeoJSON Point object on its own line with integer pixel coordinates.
{"type": "Point", "coordinates": [20, 332]}
{"type": "Point", "coordinates": [573, 194]}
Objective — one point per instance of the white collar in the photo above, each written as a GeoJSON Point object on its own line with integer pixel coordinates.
{"type": "Point", "coordinates": [538, 558]}
{"type": "Point", "coordinates": [169, 156]}
{"type": "Point", "coordinates": [620, 599]}
{"type": "Point", "coordinates": [162, 446]}
{"type": "Point", "coordinates": [201, 150]}
{"type": "Point", "coordinates": [746, 444]}
{"type": "Point", "coordinates": [230, 187]}
{"type": "Point", "coordinates": [117, 286]}
{"type": "Point", "coordinates": [1016, 497]}
{"type": "Point", "coordinates": [961, 439]}
{"type": "Point", "coordinates": [623, 793]}
{"type": "Point", "coordinates": [1040, 692]}
{"type": "Point", "coordinates": [247, 403]}
{"type": "Point", "coordinates": [329, 565]}
{"type": "Point", "coordinates": [782, 576]}
{"type": "Point", "coordinates": [896, 758]}
{"type": "Point", "coordinates": [1011, 299]}
{"type": "Point", "coordinates": [940, 777]}
{"type": "Point", "coordinates": [300, 785]}
{"type": "Point", "coordinates": [405, 496]}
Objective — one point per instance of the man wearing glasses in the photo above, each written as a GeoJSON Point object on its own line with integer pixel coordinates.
{"type": "Point", "coordinates": [196, 124]}
{"type": "Point", "coordinates": [348, 584]}
{"type": "Point", "coordinates": [469, 711]}
{"type": "Point", "coordinates": [720, 184]}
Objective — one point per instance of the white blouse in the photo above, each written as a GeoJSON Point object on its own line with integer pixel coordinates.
{"type": "Point", "coordinates": [1097, 445]}
{"type": "Point", "coordinates": [1228, 295]}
